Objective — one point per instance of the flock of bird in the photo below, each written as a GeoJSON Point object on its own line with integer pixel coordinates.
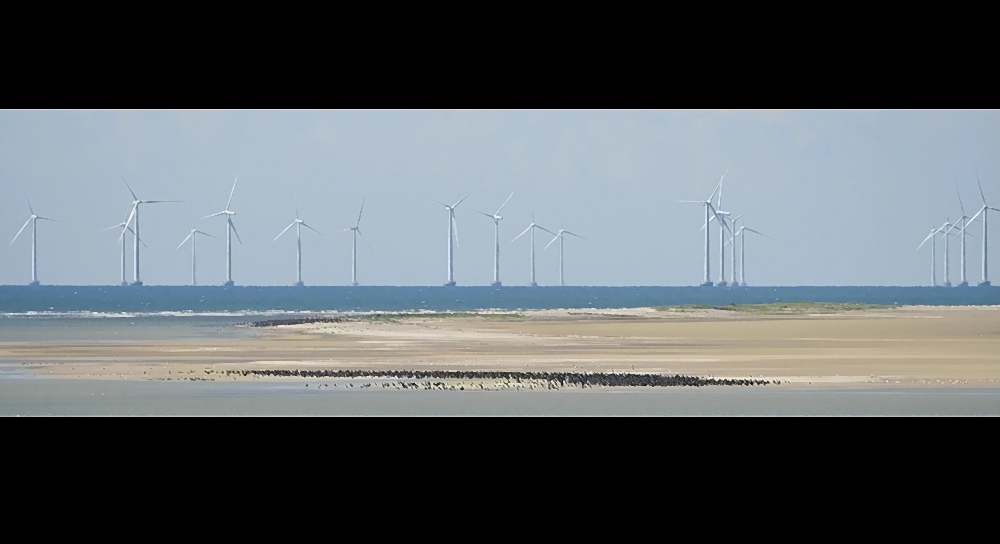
{"type": "Point", "coordinates": [945, 232]}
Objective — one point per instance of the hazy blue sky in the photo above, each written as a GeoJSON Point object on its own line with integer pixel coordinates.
{"type": "Point", "coordinates": [847, 195]}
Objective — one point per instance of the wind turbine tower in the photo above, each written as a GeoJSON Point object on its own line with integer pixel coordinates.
{"type": "Point", "coordinates": [193, 236]}
{"type": "Point", "coordinates": [354, 250]}
{"type": "Point", "coordinates": [945, 231]}
{"type": "Point", "coordinates": [984, 210]}
{"type": "Point", "coordinates": [709, 211]}
{"type": "Point", "coordinates": [33, 219]}
{"type": "Point", "coordinates": [532, 228]}
{"type": "Point", "coordinates": [963, 233]}
{"type": "Point", "coordinates": [230, 230]}
{"type": "Point", "coordinates": [933, 254]}
{"type": "Point", "coordinates": [298, 224]}
{"type": "Point", "coordinates": [121, 242]}
{"type": "Point", "coordinates": [743, 247]}
{"type": "Point", "coordinates": [496, 240]}
{"type": "Point", "coordinates": [561, 236]}
{"type": "Point", "coordinates": [134, 215]}
{"type": "Point", "coordinates": [452, 237]}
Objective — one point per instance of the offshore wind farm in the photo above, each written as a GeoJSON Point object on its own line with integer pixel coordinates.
{"type": "Point", "coordinates": [819, 282]}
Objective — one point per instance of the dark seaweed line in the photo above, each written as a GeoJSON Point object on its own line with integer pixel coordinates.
{"type": "Point", "coordinates": [296, 321]}
{"type": "Point", "coordinates": [562, 378]}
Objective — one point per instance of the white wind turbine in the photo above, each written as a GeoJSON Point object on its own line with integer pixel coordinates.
{"type": "Point", "coordinates": [230, 230]}
{"type": "Point", "coordinates": [532, 228]}
{"type": "Point", "coordinates": [984, 210]}
{"type": "Point", "coordinates": [965, 221]}
{"type": "Point", "coordinates": [934, 230]}
{"type": "Point", "coordinates": [121, 242]}
{"type": "Point", "coordinates": [732, 242]}
{"type": "Point", "coordinates": [945, 231]}
{"type": "Point", "coordinates": [193, 236]}
{"type": "Point", "coordinates": [135, 229]}
{"type": "Point", "coordinates": [709, 212]}
{"type": "Point", "coordinates": [496, 239]}
{"type": "Point", "coordinates": [723, 227]}
{"type": "Point", "coordinates": [452, 240]}
{"type": "Point", "coordinates": [354, 251]}
{"type": "Point", "coordinates": [743, 248]}
{"type": "Point", "coordinates": [298, 224]}
{"type": "Point", "coordinates": [33, 219]}
{"type": "Point", "coordinates": [560, 236]}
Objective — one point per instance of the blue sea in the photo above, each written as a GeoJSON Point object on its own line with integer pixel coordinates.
{"type": "Point", "coordinates": [183, 300]}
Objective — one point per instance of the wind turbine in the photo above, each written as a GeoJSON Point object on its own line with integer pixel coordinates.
{"type": "Point", "coordinates": [121, 242]}
{"type": "Point", "coordinates": [230, 230]}
{"type": "Point", "coordinates": [732, 242]}
{"type": "Point", "coordinates": [354, 251]}
{"type": "Point", "coordinates": [708, 211]}
{"type": "Point", "coordinates": [298, 224]}
{"type": "Point", "coordinates": [194, 238]}
{"type": "Point", "coordinates": [532, 228]}
{"type": "Point", "coordinates": [945, 231]}
{"type": "Point", "coordinates": [135, 230]}
{"type": "Point", "coordinates": [452, 241]}
{"type": "Point", "coordinates": [933, 255]}
{"type": "Point", "coordinates": [496, 238]}
{"type": "Point", "coordinates": [723, 227]}
{"type": "Point", "coordinates": [964, 219]}
{"type": "Point", "coordinates": [743, 248]}
{"type": "Point", "coordinates": [983, 210]}
{"type": "Point", "coordinates": [33, 219]}
{"type": "Point", "coordinates": [560, 236]}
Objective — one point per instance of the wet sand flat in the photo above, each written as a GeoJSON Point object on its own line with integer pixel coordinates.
{"type": "Point", "coordinates": [909, 346]}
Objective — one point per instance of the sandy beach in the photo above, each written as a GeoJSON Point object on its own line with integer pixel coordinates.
{"type": "Point", "coordinates": [810, 346]}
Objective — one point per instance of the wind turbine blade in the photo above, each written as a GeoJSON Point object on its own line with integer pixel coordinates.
{"type": "Point", "coordinates": [29, 204]}
{"type": "Point", "coordinates": [213, 215]}
{"type": "Point", "coordinates": [128, 220]}
{"type": "Point", "coordinates": [574, 234]}
{"type": "Point", "coordinates": [296, 211]}
{"type": "Point", "coordinates": [233, 226]}
{"type": "Point", "coordinates": [545, 229]}
{"type": "Point", "coordinates": [366, 242]}
{"type": "Point", "coordinates": [550, 243]}
{"type": "Point", "coordinates": [19, 232]}
{"type": "Point", "coordinates": [960, 206]}
{"type": "Point", "coordinates": [312, 229]}
{"type": "Point", "coordinates": [58, 221]}
{"type": "Point", "coordinates": [159, 201]}
{"type": "Point", "coordinates": [118, 226]}
{"type": "Point", "coordinates": [463, 199]}
{"type": "Point", "coordinates": [929, 236]}
{"type": "Point", "coordinates": [358, 224]}
{"type": "Point", "coordinates": [141, 242]}
{"type": "Point", "coordinates": [233, 190]}
{"type": "Point", "coordinates": [209, 235]}
{"type": "Point", "coordinates": [504, 203]}
{"type": "Point", "coordinates": [347, 229]}
{"type": "Point", "coordinates": [431, 199]}
{"type": "Point", "coordinates": [757, 232]}
{"type": "Point", "coordinates": [523, 233]}
{"type": "Point", "coordinates": [693, 201]}
{"type": "Point", "coordinates": [190, 234]}
{"type": "Point", "coordinates": [486, 214]}
{"type": "Point", "coordinates": [123, 180]}
{"type": "Point", "coordinates": [282, 232]}
{"type": "Point", "coordinates": [717, 187]}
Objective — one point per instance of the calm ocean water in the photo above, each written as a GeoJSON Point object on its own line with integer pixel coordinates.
{"type": "Point", "coordinates": [250, 300]}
